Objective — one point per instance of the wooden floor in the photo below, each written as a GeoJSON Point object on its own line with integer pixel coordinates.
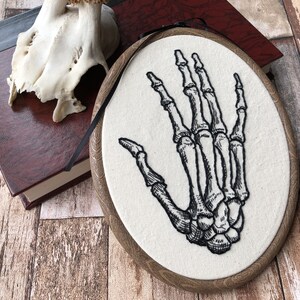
{"type": "Point", "coordinates": [64, 249]}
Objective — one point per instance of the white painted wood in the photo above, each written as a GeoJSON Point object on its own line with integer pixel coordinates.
{"type": "Point", "coordinates": [126, 280]}
{"type": "Point", "coordinates": [296, 5]}
{"type": "Point", "coordinates": [293, 10]}
{"type": "Point", "coordinates": [71, 260]}
{"type": "Point", "coordinates": [289, 262]}
{"type": "Point", "coordinates": [18, 229]}
{"type": "Point", "coordinates": [265, 286]}
{"type": "Point", "coordinates": [268, 16]}
{"type": "Point", "coordinates": [162, 291]}
{"type": "Point", "coordinates": [76, 202]}
{"type": "Point", "coordinates": [287, 79]}
{"type": "Point", "coordinates": [23, 3]}
{"type": "Point", "coordinates": [2, 9]}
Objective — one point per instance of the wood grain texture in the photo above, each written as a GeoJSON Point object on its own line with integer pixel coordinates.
{"type": "Point", "coordinates": [71, 260]}
{"type": "Point", "coordinates": [76, 202]}
{"type": "Point", "coordinates": [289, 262]}
{"type": "Point", "coordinates": [293, 9]}
{"type": "Point", "coordinates": [18, 230]}
{"type": "Point", "coordinates": [128, 281]}
{"type": "Point", "coordinates": [287, 79]}
{"type": "Point", "coordinates": [10, 8]}
{"type": "Point", "coordinates": [268, 16]}
{"type": "Point", "coordinates": [164, 291]}
{"type": "Point", "coordinates": [2, 9]}
{"type": "Point", "coordinates": [265, 286]}
{"type": "Point", "coordinates": [118, 227]}
{"type": "Point", "coordinates": [24, 4]}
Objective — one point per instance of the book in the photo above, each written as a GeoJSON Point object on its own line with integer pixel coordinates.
{"type": "Point", "coordinates": [34, 150]}
{"type": "Point", "coordinates": [136, 17]}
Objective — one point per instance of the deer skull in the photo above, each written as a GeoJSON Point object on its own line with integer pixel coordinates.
{"type": "Point", "coordinates": [63, 43]}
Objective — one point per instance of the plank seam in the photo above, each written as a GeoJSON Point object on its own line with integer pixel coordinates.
{"type": "Point", "coordinates": [107, 255]}
{"type": "Point", "coordinates": [280, 279]}
{"type": "Point", "coordinates": [28, 289]}
{"type": "Point", "coordinates": [291, 25]}
{"type": "Point", "coordinates": [2, 14]}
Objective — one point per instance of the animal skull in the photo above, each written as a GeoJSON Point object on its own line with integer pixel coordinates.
{"type": "Point", "coordinates": [63, 43]}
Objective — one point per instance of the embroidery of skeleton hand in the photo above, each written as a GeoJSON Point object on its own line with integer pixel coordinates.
{"type": "Point", "coordinates": [215, 216]}
{"type": "Point", "coordinates": [67, 38]}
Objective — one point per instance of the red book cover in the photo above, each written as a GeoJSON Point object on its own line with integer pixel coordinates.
{"type": "Point", "coordinates": [136, 17]}
{"type": "Point", "coordinates": [34, 148]}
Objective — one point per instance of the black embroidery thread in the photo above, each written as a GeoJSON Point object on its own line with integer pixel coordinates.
{"type": "Point", "coordinates": [194, 22]}
{"type": "Point", "coordinates": [214, 217]}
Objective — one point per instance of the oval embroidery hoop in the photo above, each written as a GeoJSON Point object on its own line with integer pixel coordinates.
{"type": "Point", "coordinates": [116, 223]}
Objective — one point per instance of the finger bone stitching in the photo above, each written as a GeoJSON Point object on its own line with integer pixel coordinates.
{"type": "Point", "coordinates": [214, 217]}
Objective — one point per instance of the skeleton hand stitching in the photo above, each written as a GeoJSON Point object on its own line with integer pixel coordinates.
{"type": "Point", "coordinates": [214, 217]}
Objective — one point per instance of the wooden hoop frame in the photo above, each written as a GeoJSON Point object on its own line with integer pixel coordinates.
{"type": "Point", "coordinates": [113, 218]}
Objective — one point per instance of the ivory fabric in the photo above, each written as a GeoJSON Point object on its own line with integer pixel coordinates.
{"type": "Point", "coordinates": [135, 112]}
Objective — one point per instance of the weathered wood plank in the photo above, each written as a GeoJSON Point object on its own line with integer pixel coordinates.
{"type": "Point", "coordinates": [2, 9]}
{"type": "Point", "coordinates": [289, 262]}
{"type": "Point", "coordinates": [162, 291]}
{"type": "Point", "coordinates": [265, 286]}
{"type": "Point", "coordinates": [293, 10]}
{"type": "Point", "coordinates": [78, 201]}
{"type": "Point", "coordinates": [267, 16]}
{"type": "Point", "coordinates": [287, 78]}
{"type": "Point", "coordinates": [9, 8]}
{"type": "Point", "coordinates": [129, 281]}
{"type": "Point", "coordinates": [18, 229]}
{"type": "Point", "coordinates": [126, 280]}
{"type": "Point", "coordinates": [23, 3]}
{"type": "Point", "coordinates": [71, 260]}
